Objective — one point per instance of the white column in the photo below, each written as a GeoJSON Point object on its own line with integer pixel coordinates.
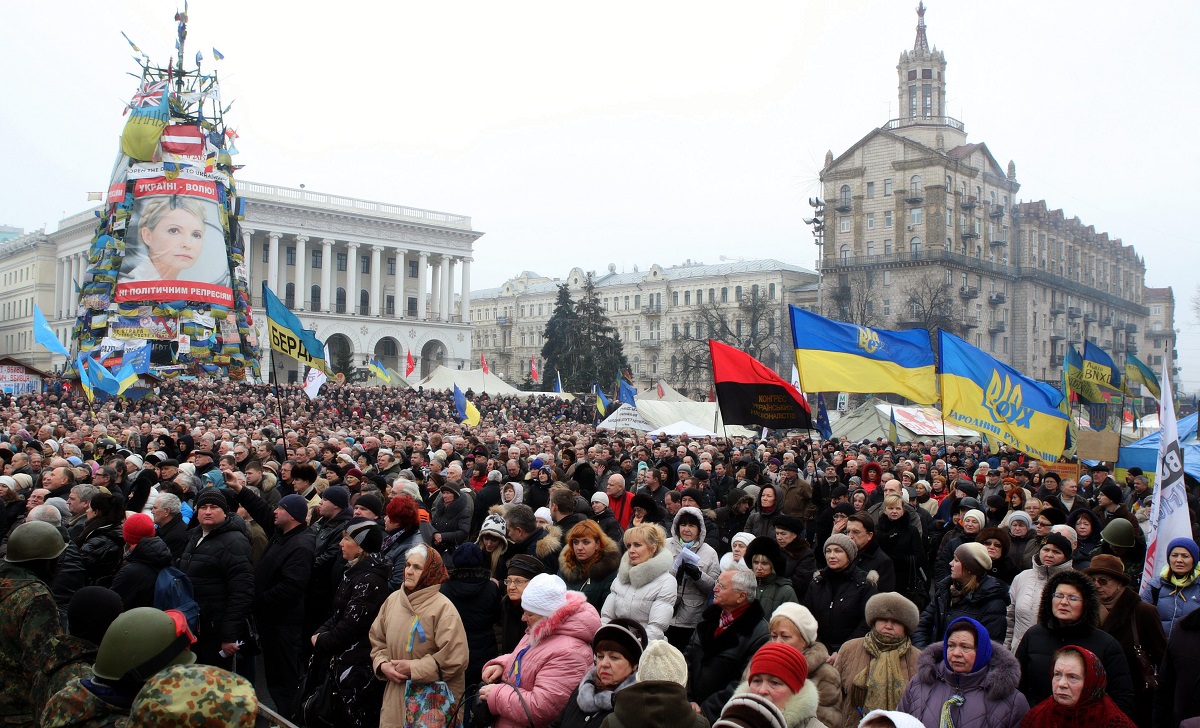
{"type": "Point", "coordinates": [300, 277]}
{"type": "Point", "coordinates": [247, 256]}
{"type": "Point", "coordinates": [448, 289]}
{"type": "Point", "coordinates": [435, 290]}
{"type": "Point", "coordinates": [327, 263]}
{"type": "Point", "coordinates": [60, 288]}
{"type": "Point", "coordinates": [464, 305]}
{"type": "Point", "coordinates": [401, 276]}
{"type": "Point", "coordinates": [76, 279]}
{"type": "Point", "coordinates": [376, 291]}
{"type": "Point", "coordinates": [423, 262]}
{"type": "Point", "coordinates": [273, 263]}
{"type": "Point", "coordinates": [352, 277]}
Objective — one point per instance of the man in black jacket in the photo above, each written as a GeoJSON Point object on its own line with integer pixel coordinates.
{"type": "Point", "coordinates": [333, 513]}
{"type": "Point", "coordinates": [861, 529]}
{"type": "Point", "coordinates": [217, 560]}
{"type": "Point", "coordinates": [729, 634]}
{"type": "Point", "coordinates": [168, 519]}
{"type": "Point", "coordinates": [279, 585]}
{"type": "Point", "coordinates": [488, 496]}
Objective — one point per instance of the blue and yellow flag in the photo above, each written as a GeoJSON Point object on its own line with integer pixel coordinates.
{"type": "Point", "coordinates": [468, 414]}
{"type": "Point", "coordinates": [1100, 369]}
{"type": "Point", "coordinates": [85, 378]}
{"type": "Point", "coordinates": [602, 402]}
{"type": "Point", "coordinates": [103, 379]}
{"type": "Point", "coordinates": [149, 112]}
{"type": "Point", "coordinates": [1084, 390]}
{"type": "Point", "coordinates": [983, 393]}
{"type": "Point", "coordinates": [1137, 371]}
{"type": "Point", "coordinates": [837, 357]}
{"type": "Point", "coordinates": [288, 336]}
{"type": "Point", "coordinates": [378, 369]}
{"type": "Point", "coordinates": [126, 378]}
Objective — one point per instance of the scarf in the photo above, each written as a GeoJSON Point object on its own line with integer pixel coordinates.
{"type": "Point", "coordinates": [1095, 708]}
{"type": "Point", "coordinates": [1179, 582]}
{"type": "Point", "coordinates": [593, 699]}
{"type": "Point", "coordinates": [880, 685]}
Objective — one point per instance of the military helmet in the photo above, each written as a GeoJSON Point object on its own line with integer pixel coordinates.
{"type": "Point", "coordinates": [34, 541]}
{"type": "Point", "coordinates": [194, 695]}
{"type": "Point", "coordinates": [1119, 533]}
{"type": "Point", "coordinates": [141, 642]}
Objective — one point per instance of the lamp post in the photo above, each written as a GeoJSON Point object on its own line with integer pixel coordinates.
{"type": "Point", "coordinates": [817, 222]}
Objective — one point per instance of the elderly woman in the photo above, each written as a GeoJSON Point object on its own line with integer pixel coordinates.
{"type": "Point", "coordinates": [1176, 591]}
{"type": "Point", "coordinates": [1133, 623]}
{"type": "Point", "coordinates": [589, 562]}
{"type": "Point", "coordinates": [839, 593]}
{"type": "Point", "coordinates": [738, 544]}
{"type": "Point", "coordinates": [778, 672]}
{"type": "Point", "coordinates": [967, 680]}
{"type": "Point", "coordinates": [531, 685]}
{"type": "Point", "coordinates": [644, 590]}
{"type": "Point", "coordinates": [1069, 614]}
{"type": "Point", "coordinates": [794, 625]}
{"type": "Point", "coordinates": [765, 559]}
{"type": "Point", "coordinates": [1079, 695]}
{"type": "Point", "coordinates": [1024, 543]}
{"type": "Point", "coordinates": [969, 591]}
{"type": "Point", "coordinates": [617, 647]}
{"type": "Point", "coordinates": [875, 669]}
{"type": "Point", "coordinates": [696, 568]}
{"type": "Point", "coordinates": [1025, 594]}
{"type": "Point", "coordinates": [417, 636]}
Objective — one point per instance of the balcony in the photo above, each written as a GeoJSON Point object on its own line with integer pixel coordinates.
{"type": "Point", "coordinates": [1056, 360]}
{"type": "Point", "coordinates": [1074, 312]}
{"type": "Point", "coordinates": [914, 197]}
{"type": "Point", "coordinates": [970, 322]}
{"type": "Point", "coordinates": [1108, 344]}
{"type": "Point", "coordinates": [1131, 347]}
{"type": "Point", "coordinates": [1090, 317]}
{"type": "Point", "coordinates": [1159, 334]}
{"type": "Point", "coordinates": [504, 321]}
{"type": "Point", "coordinates": [1057, 308]}
{"type": "Point", "coordinates": [970, 234]}
{"type": "Point", "coordinates": [1119, 324]}
{"type": "Point", "coordinates": [1058, 333]}
{"type": "Point", "coordinates": [1131, 328]}
{"type": "Point", "coordinates": [1106, 321]}
{"type": "Point", "coordinates": [997, 297]}
{"type": "Point", "coordinates": [997, 242]}
{"type": "Point", "coordinates": [996, 211]}
{"type": "Point", "coordinates": [652, 310]}
{"type": "Point", "coordinates": [650, 343]}
{"type": "Point", "coordinates": [997, 327]}
{"type": "Point", "coordinates": [968, 203]}
{"type": "Point", "coordinates": [968, 292]}
{"type": "Point", "coordinates": [843, 204]}
{"type": "Point", "coordinates": [949, 121]}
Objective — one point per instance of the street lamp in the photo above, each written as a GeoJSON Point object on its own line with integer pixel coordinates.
{"type": "Point", "coordinates": [817, 222]}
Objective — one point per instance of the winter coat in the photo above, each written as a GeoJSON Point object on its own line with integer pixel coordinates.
{"type": "Point", "coordinates": [1119, 623]}
{"type": "Point", "coordinates": [587, 707]}
{"type": "Point", "coordinates": [477, 599]}
{"type": "Point", "coordinates": [442, 655]}
{"type": "Point", "coordinates": [829, 684]}
{"type": "Point", "coordinates": [692, 595]}
{"type": "Point", "coordinates": [608, 523]}
{"type": "Point", "coordinates": [488, 496]}
{"type": "Point", "coordinates": [102, 552]}
{"type": "Point", "coordinates": [852, 659]}
{"type": "Point", "coordinates": [1025, 595]}
{"type": "Point", "coordinates": [541, 544]}
{"type": "Point", "coordinates": [954, 538]}
{"type": "Point", "coordinates": [222, 580]}
{"type": "Point", "coordinates": [135, 580]}
{"type": "Point", "coordinates": [716, 661]}
{"type": "Point", "coordinates": [555, 655]}
{"type": "Point", "coordinates": [800, 562]}
{"type": "Point", "coordinates": [838, 600]}
{"type": "Point", "coordinates": [798, 499]}
{"type": "Point", "coordinates": [1178, 694]}
{"type": "Point", "coordinates": [645, 593]}
{"type": "Point", "coordinates": [987, 604]}
{"type": "Point", "coordinates": [452, 521]}
{"type": "Point", "coordinates": [774, 590]}
{"type": "Point", "coordinates": [1036, 651]}
{"type": "Point", "coordinates": [326, 533]}
{"type": "Point", "coordinates": [596, 581]}
{"type": "Point", "coordinates": [761, 523]}
{"type": "Point", "coordinates": [872, 558]}
{"type": "Point", "coordinates": [1173, 604]}
{"type": "Point", "coordinates": [282, 575]}
{"type": "Point", "coordinates": [394, 552]}
{"type": "Point", "coordinates": [658, 703]}
{"type": "Point", "coordinates": [992, 699]}
{"type": "Point", "coordinates": [903, 544]}
{"type": "Point", "coordinates": [175, 534]}
{"type": "Point", "coordinates": [800, 711]}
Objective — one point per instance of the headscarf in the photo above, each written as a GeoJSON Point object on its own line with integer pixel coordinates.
{"type": "Point", "coordinates": [983, 643]}
{"type": "Point", "coordinates": [433, 574]}
{"type": "Point", "coordinates": [1094, 709]}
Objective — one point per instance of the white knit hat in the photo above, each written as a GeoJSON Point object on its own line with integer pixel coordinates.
{"type": "Point", "coordinates": [543, 513]}
{"type": "Point", "coordinates": [600, 497]}
{"type": "Point", "coordinates": [742, 537]}
{"type": "Point", "coordinates": [660, 661]}
{"type": "Point", "coordinates": [544, 595]}
{"type": "Point", "coordinates": [493, 525]}
{"type": "Point", "coordinates": [804, 620]}
{"type": "Point", "coordinates": [977, 515]}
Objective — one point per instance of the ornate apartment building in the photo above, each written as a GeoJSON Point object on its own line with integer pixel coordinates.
{"type": "Point", "coordinates": [372, 279]}
{"type": "Point", "coordinates": [922, 227]}
{"type": "Point", "coordinates": [659, 313]}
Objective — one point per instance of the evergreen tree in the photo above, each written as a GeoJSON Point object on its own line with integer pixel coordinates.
{"type": "Point", "coordinates": [562, 339]}
{"type": "Point", "coordinates": [582, 345]}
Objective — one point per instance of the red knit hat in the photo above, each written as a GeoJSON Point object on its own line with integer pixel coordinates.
{"type": "Point", "coordinates": [137, 527]}
{"type": "Point", "coordinates": [782, 661]}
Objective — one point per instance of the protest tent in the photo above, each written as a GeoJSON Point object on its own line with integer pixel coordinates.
{"type": "Point", "coordinates": [676, 429]}
{"type": "Point", "coordinates": [445, 378]}
{"type": "Point", "coordinates": [625, 418]}
{"type": "Point", "coordinates": [1144, 452]}
{"type": "Point", "coordinates": [670, 394]}
{"type": "Point", "coordinates": [872, 419]}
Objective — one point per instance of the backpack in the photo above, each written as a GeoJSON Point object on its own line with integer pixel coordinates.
{"type": "Point", "coordinates": [173, 590]}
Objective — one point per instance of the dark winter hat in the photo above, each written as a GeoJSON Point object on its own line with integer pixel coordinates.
{"type": "Point", "coordinates": [646, 502]}
{"type": "Point", "coordinates": [1108, 565]}
{"type": "Point", "coordinates": [1060, 542]}
{"type": "Point", "coordinates": [372, 503]}
{"type": "Point", "coordinates": [694, 493]}
{"type": "Point", "coordinates": [790, 524]}
{"type": "Point", "coordinates": [91, 611]}
{"type": "Point", "coordinates": [337, 495]}
{"type": "Point", "coordinates": [212, 496]}
{"type": "Point", "coordinates": [983, 641]}
{"type": "Point", "coordinates": [747, 710]}
{"type": "Point", "coordinates": [366, 532]}
{"type": "Point", "coordinates": [968, 488]}
{"type": "Point", "coordinates": [524, 565]}
{"type": "Point", "coordinates": [890, 605]}
{"type": "Point", "coordinates": [1101, 467]}
{"type": "Point", "coordinates": [839, 491]}
{"type": "Point", "coordinates": [623, 635]}
{"type": "Point", "coordinates": [1055, 516]}
{"type": "Point", "coordinates": [768, 547]}
{"type": "Point", "coordinates": [295, 506]}
{"type": "Point", "coordinates": [1184, 543]}
{"type": "Point", "coordinates": [1112, 491]}
{"type": "Point", "coordinates": [843, 508]}
{"type": "Point", "coordinates": [467, 556]}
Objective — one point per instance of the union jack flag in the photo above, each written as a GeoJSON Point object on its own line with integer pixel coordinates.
{"type": "Point", "coordinates": [150, 94]}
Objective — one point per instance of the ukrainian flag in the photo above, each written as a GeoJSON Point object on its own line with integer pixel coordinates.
{"type": "Point", "coordinates": [288, 335]}
{"type": "Point", "coordinates": [832, 356]}
{"type": "Point", "coordinates": [1085, 390]}
{"type": "Point", "coordinates": [85, 379]}
{"type": "Point", "coordinates": [1137, 371]}
{"type": "Point", "coordinates": [378, 369]}
{"type": "Point", "coordinates": [602, 402]}
{"type": "Point", "coordinates": [985, 394]}
{"type": "Point", "coordinates": [126, 378]}
{"type": "Point", "coordinates": [467, 412]}
{"type": "Point", "coordinates": [1098, 367]}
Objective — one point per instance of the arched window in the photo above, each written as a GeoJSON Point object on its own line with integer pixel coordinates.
{"type": "Point", "coordinates": [914, 245]}
{"type": "Point", "coordinates": [289, 295]}
{"type": "Point", "coordinates": [844, 253]}
{"type": "Point", "coordinates": [387, 347]}
{"type": "Point", "coordinates": [364, 302]}
{"type": "Point", "coordinates": [637, 365]}
{"type": "Point", "coordinates": [844, 195]}
{"type": "Point", "coordinates": [914, 184]}
{"type": "Point", "coordinates": [315, 296]}
{"type": "Point", "coordinates": [341, 300]}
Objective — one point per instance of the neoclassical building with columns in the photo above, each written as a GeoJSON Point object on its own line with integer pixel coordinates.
{"type": "Point", "coordinates": [373, 279]}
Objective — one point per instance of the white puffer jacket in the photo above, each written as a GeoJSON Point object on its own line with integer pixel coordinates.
{"type": "Point", "coordinates": [644, 593]}
{"type": "Point", "coordinates": [692, 596]}
{"type": "Point", "coordinates": [1025, 599]}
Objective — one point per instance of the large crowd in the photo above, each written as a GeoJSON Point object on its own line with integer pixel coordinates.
{"type": "Point", "coordinates": [366, 560]}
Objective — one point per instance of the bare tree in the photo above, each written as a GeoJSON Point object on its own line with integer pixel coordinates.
{"type": "Point", "coordinates": [929, 304]}
{"type": "Point", "coordinates": [751, 324]}
{"type": "Point", "coordinates": [853, 299]}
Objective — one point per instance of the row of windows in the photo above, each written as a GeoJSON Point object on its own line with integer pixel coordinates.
{"type": "Point", "coordinates": [343, 261]}
{"type": "Point", "coordinates": [16, 276]}
{"type": "Point", "coordinates": [17, 309]}
{"type": "Point", "coordinates": [916, 187]}
{"type": "Point", "coordinates": [313, 303]}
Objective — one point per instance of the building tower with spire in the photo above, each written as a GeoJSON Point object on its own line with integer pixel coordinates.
{"type": "Point", "coordinates": [921, 93]}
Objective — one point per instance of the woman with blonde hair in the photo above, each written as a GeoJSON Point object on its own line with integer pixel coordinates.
{"type": "Point", "coordinates": [170, 239]}
{"type": "Point", "coordinates": [645, 589]}
{"type": "Point", "coordinates": [589, 562]}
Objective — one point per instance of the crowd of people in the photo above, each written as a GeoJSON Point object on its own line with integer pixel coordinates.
{"type": "Point", "coordinates": [376, 560]}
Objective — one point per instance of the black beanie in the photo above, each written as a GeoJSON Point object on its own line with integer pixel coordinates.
{"type": "Point", "coordinates": [1061, 542]}
{"type": "Point", "coordinates": [91, 611]}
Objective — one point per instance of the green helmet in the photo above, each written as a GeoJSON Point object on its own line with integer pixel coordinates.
{"type": "Point", "coordinates": [141, 642]}
{"type": "Point", "coordinates": [1119, 533]}
{"type": "Point", "coordinates": [34, 541]}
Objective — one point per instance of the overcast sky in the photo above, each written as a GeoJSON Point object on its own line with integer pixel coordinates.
{"type": "Point", "coordinates": [629, 133]}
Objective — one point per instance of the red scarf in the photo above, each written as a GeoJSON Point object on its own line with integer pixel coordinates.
{"type": "Point", "coordinates": [1094, 708]}
{"type": "Point", "coordinates": [728, 618]}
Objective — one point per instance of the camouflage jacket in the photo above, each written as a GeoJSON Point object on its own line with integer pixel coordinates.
{"type": "Point", "coordinates": [28, 619]}
{"type": "Point", "coordinates": [78, 707]}
{"type": "Point", "coordinates": [65, 657]}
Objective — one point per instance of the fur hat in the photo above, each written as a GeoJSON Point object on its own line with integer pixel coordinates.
{"type": "Point", "coordinates": [763, 546]}
{"type": "Point", "coordinates": [845, 543]}
{"type": "Point", "coordinates": [890, 605]}
{"type": "Point", "coordinates": [747, 710]}
{"type": "Point", "coordinates": [789, 523]}
{"type": "Point", "coordinates": [798, 615]}
{"type": "Point", "coordinates": [662, 661]}
{"type": "Point", "coordinates": [974, 558]}
{"type": "Point", "coordinates": [1087, 589]}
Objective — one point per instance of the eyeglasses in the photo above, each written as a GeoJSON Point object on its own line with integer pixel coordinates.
{"type": "Point", "coordinates": [1101, 580]}
{"type": "Point", "coordinates": [1060, 597]}
{"type": "Point", "coordinates": [515, 581]}
{"type": "Point", "coordinates": [1043, 524]}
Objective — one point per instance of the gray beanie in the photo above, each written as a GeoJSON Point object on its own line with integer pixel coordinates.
{"type": "Point", "coordinates": [845, 543]}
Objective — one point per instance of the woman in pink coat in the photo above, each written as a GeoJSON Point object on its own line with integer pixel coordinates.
{"type": "Point", "coordinates": [532, 684]}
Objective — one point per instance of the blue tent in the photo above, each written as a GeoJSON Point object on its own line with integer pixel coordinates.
{"type": "Point", "coordinates": [1144, 452]}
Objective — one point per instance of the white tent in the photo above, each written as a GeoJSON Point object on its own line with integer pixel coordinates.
{"type": "Point", "coordinates": [396, 380]}
{"type": "Point", "coordinates": [473, 379]}
{"type": "Point", "coordinates": [670, 394]}
{"type": "Point", "coordinates": [872, 419]}
{"type": "Point", "coordinates": [678, 428]}
{"type": "Point", "coordinates": [625, 418]}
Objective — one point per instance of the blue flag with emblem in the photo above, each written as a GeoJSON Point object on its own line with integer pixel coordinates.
{"type": "Point", "coordinates": [985, 394]}
{"type": "Point", "coordinates": [823, 425]}
{"type": "Point", "coordinates": [626, 392]}
{"type": "Point", "coordinates": [44, 335]}
{"type": "Point", "coordinates": [288, 335]}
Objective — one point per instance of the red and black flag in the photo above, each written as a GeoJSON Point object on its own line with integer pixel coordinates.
{"type": "Point", "coordinates": [749, 393]}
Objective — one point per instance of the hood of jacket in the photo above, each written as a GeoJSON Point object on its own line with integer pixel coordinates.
{"type": "Point", "coordinates": [1090, 619]}
{"type": "Point", "coordinates": [777, 508]}
{"type": "Point", "coordinates": [873, 468]}
{"type": "Point", "coordinates": [378, 564]}
{"type": "Point", "coordinates": [659, 703]}
{"type": "Point", "coordinates": [1000, 677]}
{"type": "Point", "coordinates": [695, 512]}
{"type": "Point", "coordinates": [801, 707]}
{"type": "Point", "coordinates": [571, 572]}
{"type": "Point", "coordinates": [576, 619]}
{"type": "Point", "coordinates": [151, 551]}
{"type": "Point", "coordinates": [647, 571]}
